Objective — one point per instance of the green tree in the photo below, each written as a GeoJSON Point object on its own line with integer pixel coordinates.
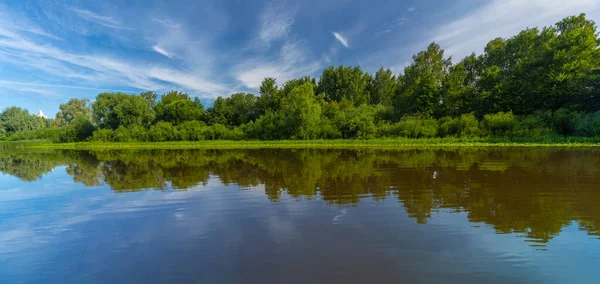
{"type": "Point", "coordinates": [176, 107]}
{"type": "Point", "coordinates": [270, 96]}
{"type": "Point", "coordinates": [383, 88]}
{"type": "Point", "coordinates": [16, 119]}
{"type": "Point", "coordinates": [345, 83]}
{"type": "Point", "coordinates": [236, 110]}
{"type": "Point", "coordinates": [111, 110]}
{"type": "Point", "coordinates": [72, 109]}
{"type": "Point", "coordinates": [302, 112]}
{"type": "Point", "coordinates": [151, 98]}
{"type": "Point", "coordinates": [419, 86]}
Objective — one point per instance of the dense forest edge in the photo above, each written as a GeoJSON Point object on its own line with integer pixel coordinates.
{"type": "Point", "coordinates": [541, 86]}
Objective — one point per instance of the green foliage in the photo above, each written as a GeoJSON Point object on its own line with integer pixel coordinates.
{"type": "Point", "coordinates": [499, 124]}
{"type": "Point", "coordinates": [161, 131]}
{"type": "Point", "coordinates": [355, 122]}
{"type": "Point", "coordinates": [79, 129]}
{"type": "Point", "coordinates": [176, 107]}
{"type": "Point", "coordinates": [236, 110]}
{"type": "Point", "coordinates": [466, 125]}
{"type": "Point", "coordinates": [191, 130]}
{"type": "Point", "coordinates": [112, 110]}
{"type": "Point", "coordinates": [419, 87]}
{"type": "Point", "coordinates": [103, 135]}
{"type": "Point", "coordinates": [16, 119]}
{"type": "Point", "coordinates": [303, 112]}
{"type": "Point", "coordinates": [587, 124]}
{"type": "Point", "coordinates": [72, 109]}
{"type": "Point", "coordinates": [345, 83]}
{"type": "Point", "coordinates": [383, 88]}
{"type": "Point", "coordinates": [417, 126]}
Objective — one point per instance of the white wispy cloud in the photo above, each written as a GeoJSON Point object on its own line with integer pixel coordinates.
{"type": "Point", "coordinates": [161, 51]}
{"type": "Point", "coordinates": [411, 9]}
{"type": "Point", "coordinates": [57, 67]}
{"type": "Point", "coordinates": [341, 39]}
{"type": "Point", "coordinates": [293, 62]}
{"type": "Point", "coordinates": [105, 21]}
{"type": "Point", "coordinates": [276, 21]}
{"type": "Point", "coordinates": [505, 18]}
{"type": "Point", "coordinates": [35, 84]}
{"type": "Point", "coordinates": [166, 23]}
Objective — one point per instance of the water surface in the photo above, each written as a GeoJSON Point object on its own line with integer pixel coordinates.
{"type": "Point", "coordinates": [300, 216]}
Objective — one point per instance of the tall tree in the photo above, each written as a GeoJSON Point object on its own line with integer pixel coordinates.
{"type": "Point", "coordinates": [419, 86]}
{"type": "Point", "coordinates": [303, 112]}
{"type": "Point", "coordinates": [111, 110]}
{"type": "Point", "coordinates": [270, 98]}
{"type": "Point", "coordinates": [177, 107]}
{"type": "Point", "coordinates": [72, 109]}
{"type": "Point", "coordinates": [236, 110]}
{"type": "Point", "coordinates": [345, 83]}
{"type": "Point", "coordinates": [383, 88]}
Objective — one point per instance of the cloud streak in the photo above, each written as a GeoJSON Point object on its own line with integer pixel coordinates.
{"type": "Point", "coordinates": [161, 51]}
{"type": "Point", "coordinates": [276, 22]}
{"type": "Point", "coordinates": [105, 21]}
{"type": "Point", "coordinates": [341, 39]}
{"type": "Point", "coordinates": [292, 62]}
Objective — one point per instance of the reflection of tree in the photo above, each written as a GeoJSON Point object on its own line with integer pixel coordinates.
{"type": "Point", "coordinates": [28, 167]}
{"type": "Point", "coordinates": [530, 191]}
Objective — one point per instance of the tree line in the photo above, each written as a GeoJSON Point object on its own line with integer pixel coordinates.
{"type": "Point", "coordinates": [540, 82]}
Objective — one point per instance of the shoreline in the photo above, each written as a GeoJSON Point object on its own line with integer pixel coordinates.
{"type": "Point", "coordinates": [291, 144]}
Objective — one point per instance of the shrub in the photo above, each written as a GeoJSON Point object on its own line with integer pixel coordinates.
{"type": "Point", "coordinates": [535, 125]}
{"type": "Point", "coordinates": [191, 130]}
{"type": "Point", "coordinates": [78, 130]}
{"type": "Point", "coordinates": [464, 126]}
{"type": "Point", "coordinates": [414, 127]}
{"type": "Point", "coordinates": [122, 134]}
{"type": "Point", "coordinates": [562, 121]}
{"type": "Point", "coordinates": [221, 132]}
{"type": "Point", "coordinates": [162, 131]}
{"type": "Point", "coordinates": [498, 124]}
{"type": "Point", "coordinates": [103, 135]}
{"type": "Point", "coordinates": [356, 122]}
{"type": "Point", "coordinates": [587, 124]}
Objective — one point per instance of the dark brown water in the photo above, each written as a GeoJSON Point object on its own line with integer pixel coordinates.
{"type": "Point", "coordinates": [489, 215]}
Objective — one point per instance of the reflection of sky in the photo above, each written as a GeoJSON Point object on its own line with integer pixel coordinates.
{"type": "Point", "coordinates": [54, 230]}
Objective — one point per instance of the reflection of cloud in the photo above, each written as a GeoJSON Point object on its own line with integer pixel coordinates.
{"type": "Point", "coordinates": [337, 218]}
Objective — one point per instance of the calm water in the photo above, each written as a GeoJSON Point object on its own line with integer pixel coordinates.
{"type": "Point", "coordinates": [300, 216]}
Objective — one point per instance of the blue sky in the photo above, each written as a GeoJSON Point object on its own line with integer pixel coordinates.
{"type": "Point", "coordinates": [53, 50]}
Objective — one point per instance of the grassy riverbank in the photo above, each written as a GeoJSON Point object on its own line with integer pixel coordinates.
{"type": "Point", "coordinates": [375, 143]}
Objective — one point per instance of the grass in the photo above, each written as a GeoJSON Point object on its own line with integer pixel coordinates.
{"type": "Point", "coordinates": [374, 143]}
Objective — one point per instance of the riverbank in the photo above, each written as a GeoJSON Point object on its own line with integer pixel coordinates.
{"type": "Point", "coordinates": [375, 143]}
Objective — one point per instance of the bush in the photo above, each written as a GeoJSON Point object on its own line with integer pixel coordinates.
{"type": "Point", "coordinates": [122, 134]}
{"type": "Point", "coordinates": [103, 135]}
{"type": "Point", "coordinates": [466, 125]}
{"type": "Point", "coordinates": [535, 125]}
{"type": "Point", "coordinates": [356, 122]}
{"type": "Point", "coordinates": [78, 130]}
{"type": "Point", "coordinates": [499, 124]}
{"type": "Point", "coordinates": [221, 132]}
{"type": "Point", "coordinates": [191, 130]}
{"type": "Point", "coordinates": [162, 131]}
{"type": "Point", "coordinates": [414, 127]}
{"type": "Point", "coordinates": [562, 121]}
{"type": "Point", "coordinates": [50, 134]}
{"type": "Point", "coordinates": [587, 124]}
{"type": "Point", "coordinates": [270, 126]}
